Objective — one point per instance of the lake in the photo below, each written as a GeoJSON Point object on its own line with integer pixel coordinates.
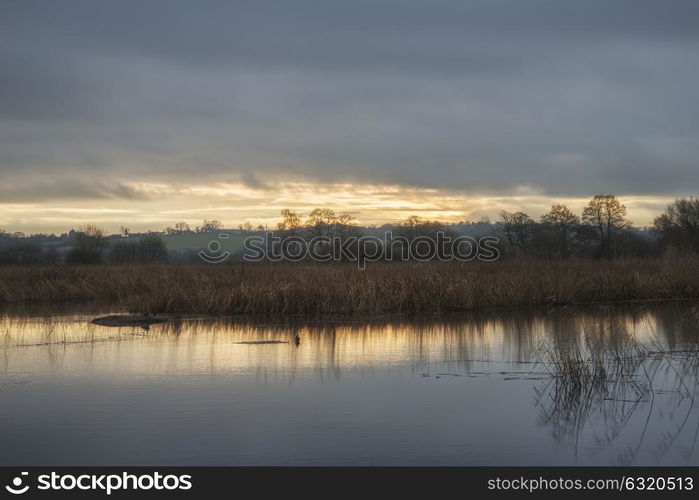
{"type": "Point", "coordinates": [595, 385]}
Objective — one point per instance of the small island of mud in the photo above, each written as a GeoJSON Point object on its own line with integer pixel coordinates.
{"type": "Point", "coordinates": [141, 320]}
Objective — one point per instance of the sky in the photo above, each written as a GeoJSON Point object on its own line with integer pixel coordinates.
{"type": "Point", "coordinates": [147, 113]}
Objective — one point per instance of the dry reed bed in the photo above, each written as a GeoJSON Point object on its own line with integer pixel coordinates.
{"type": "Point", "coordinates": [331, 289]}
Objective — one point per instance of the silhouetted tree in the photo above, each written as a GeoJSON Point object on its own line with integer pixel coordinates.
{"type": "Point", "coordinates": [606, 216]}
{"type": "Point", "coordinates": [560, 226]}
{"type": "Point", "coordinates": [518, 228]}
{"type": "Point", "coordinates": [88, 243]}
{"type": "Point", "coordinates": [182, 227]}
{"type": "Point", "coordinates": [320, 221]}
{"type": "Point", "coordinates": [678, 226]}
{"type": "Point", "coordinates": [291, 220]}
{"type": "Point", "coordinates": [324, 222]}
{"type": "Point", "coordinates": [209, 226]}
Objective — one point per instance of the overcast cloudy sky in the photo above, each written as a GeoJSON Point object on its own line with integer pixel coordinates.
{"type": "Point", "coordinates": [146, 113]}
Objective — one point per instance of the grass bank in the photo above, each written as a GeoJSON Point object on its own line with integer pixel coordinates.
{"type": "Point", "coordinates": [340, 289]}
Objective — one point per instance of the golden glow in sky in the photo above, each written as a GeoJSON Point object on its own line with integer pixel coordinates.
{"type": "Point", "coordinates": [161, 205]}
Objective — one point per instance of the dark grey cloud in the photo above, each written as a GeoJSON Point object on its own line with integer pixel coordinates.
{"type": "Point", "coordinates": [565, 97]}
{"type": "Point", "coordinates": [34, 191]}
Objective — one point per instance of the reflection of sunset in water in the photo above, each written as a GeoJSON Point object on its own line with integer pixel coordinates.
{"type": "Point", "coordinates": [485, 388]}
{"type": "Point", "coordinates": [470, 342]}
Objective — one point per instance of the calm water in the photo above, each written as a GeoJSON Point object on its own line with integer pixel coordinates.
{"type": "Point", "coordinates": [477, 389]}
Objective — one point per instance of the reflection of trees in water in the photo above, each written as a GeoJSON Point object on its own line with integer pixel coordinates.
{"type": "Point", "coordinates": [459, 340]}
{"type": "Point", "coordinates": [506, 336]}
{"type": "Point", "coordinates": [602, 375]}
{"type": "Point", "coordinates": [679, 322]}
{"type": "Point", "coordinates": [612, 370]}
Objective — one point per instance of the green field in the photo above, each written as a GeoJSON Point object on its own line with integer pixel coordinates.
{"type": "Point", "coordinates": [177, 242]}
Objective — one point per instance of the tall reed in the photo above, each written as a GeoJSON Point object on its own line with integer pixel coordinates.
{"type": "Point", "coordinates": [341, 289]}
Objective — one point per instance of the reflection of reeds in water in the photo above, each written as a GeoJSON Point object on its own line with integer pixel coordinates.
{"type": "Point", "coordinates": [602, 374]}
{"type": "Point", "coordinates": [33, 331]}
{"type": "Point", "coordinates": [484, 336]}
{"type": "Point", "coordinates": [606, 370]}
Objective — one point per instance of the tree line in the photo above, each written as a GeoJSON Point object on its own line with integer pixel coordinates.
{"type": "Point", "coordinates": [602, 230]}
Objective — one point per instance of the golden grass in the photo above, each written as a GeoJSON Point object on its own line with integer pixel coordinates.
{"type": "Point", "coordinates": [341, 289]}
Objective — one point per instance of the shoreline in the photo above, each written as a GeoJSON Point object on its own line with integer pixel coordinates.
{"type": "Point", "coordinates": [19, 308]}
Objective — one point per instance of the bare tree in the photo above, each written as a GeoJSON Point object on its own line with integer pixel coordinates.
{"type": "Point", "coordinates": [606, 216]}
{"type": "Point", "coordinates": [290, 220]}
{"type": "Point", "coordinates": [182, 227]}
{"type": "Point", "coordinates": [91, 230]}
{"type": "Point", "coordinates": [321, 221]}
{"type": "Point", "coordinates": [679, 224]}
{"type": "Point", "coordinates": [518, 228]}
{"type": "Point", "coordinates": [209, 226]}
{"type": "Point", "coordinates": [565, 224]}
{"type": "Point", "coordinates": [681, 214]}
